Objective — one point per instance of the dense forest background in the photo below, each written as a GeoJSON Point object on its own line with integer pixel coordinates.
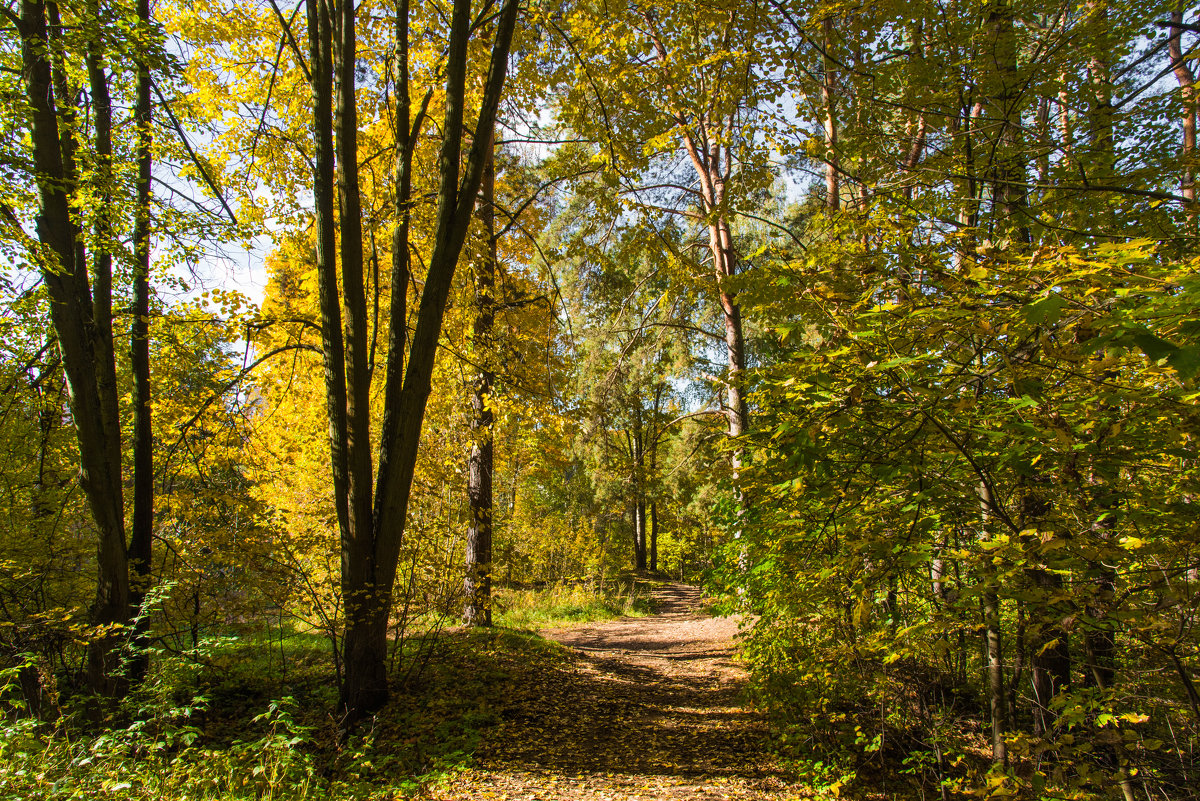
{"type": "Point", "coordinates": [879, 318]}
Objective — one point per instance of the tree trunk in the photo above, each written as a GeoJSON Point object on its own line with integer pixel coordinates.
{"type": "Point", "coordinates": [995, 677]}
{"type": "Point", "coordinates": [1004, 94]}
{"type": "Point", "coordinates": [102, 276]}
{"type": "Point", "coordinates": [1046, 638]}
{"type": "Point", "coordinates": [321, 67]}
{"type": "Point", "coordinates": [142, 527]}
{"type": "Point", "coordinates": [828, 82]}
{"type": "Point", "coordinates": [638, 446]}
{"type": "Point", "coordinates": [71, 314]}
{"type": "Point", "coordinates": [1100, 636]}
{"type": "Point", "coordinates": [1051, 655]}
{"type": "Point", "coordinates": [639, 533]}
{"type": "Point", "coordinates": [1187, 90]}
{"type": "Point", "coordinates": [654, 536]}
{"type": "Point", "coordinates": [993, 646]}
{"type": "Point", "coordinates": [364, 678]}
{"type": "Point", "coordinates": [713, 165]}
{"type": "Point", "coordinates": [105, 660]}
{"type": "Point", "coordinates": [478, 583]}
{"type": "Point", "coordinates": [367, 601]}
{"type": "Point", "coordinates": [354, 302]}
{"type": "Point", "coordinates": [369, 565]}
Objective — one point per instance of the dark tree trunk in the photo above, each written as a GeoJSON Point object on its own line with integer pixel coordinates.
{"type": "Point", "coordinates": [72, 315]}
{"type": "Point", "coordinates": [354, 300]}
{"type": "Point", "coordinates": [364, 675]}
{"type": "Point", "coordinates": [142, 527]}
{"type": "Point", "coordinates": [369, 564]}
{"type": "Point", "coordinates": [478, 582]}
{"type": "Point", "coordinates": [654, 536]}
{"type": "Point", "coordinates": [366, 600]}
{"type": "Point", "coordinates": [105, 660]}
{"type": "Point", "coordinates": [1046, 637]}
{"type": "Point", "coordinates": [639, 533]}
{"type": "Point", "coordinates": [1051, 654]}
{"type": "Point", "coordinates": [102, 277]}
{"type": "Point", "coordinates": [321, 68]}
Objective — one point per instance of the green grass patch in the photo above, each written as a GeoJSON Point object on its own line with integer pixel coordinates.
{"type": "Point", "coordinates": [563, 604]}
{"type": "Point", "coordinates": [229, 724]}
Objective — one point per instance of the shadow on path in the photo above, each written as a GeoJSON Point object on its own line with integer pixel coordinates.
{"type": "Point", "coordinates": [650, 701]}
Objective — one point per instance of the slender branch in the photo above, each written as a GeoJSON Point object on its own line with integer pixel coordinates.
{"type": "Point", "coordinates": [208, 179]}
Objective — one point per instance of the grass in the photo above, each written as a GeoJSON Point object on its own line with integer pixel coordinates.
{"type": "Point", "coordinates": [247, 717]}
{"type": "Point", "coordinates": [564, 604]}
{"type": "Point", "coordinates": [235, 728]}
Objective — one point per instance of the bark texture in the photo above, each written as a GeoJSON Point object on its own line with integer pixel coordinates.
{"type": "Point", "coordinates": [478, 582]}
{"type": "Point", "coordinates": [83, 343]}
{"type": "Point", "coordinates": [372, 505]}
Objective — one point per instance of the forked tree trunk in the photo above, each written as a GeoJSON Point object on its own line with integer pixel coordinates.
{"type": "Point", "coordinates": [371, 523]}
{"type": "Point", "coordinates": [365, 639]}
{"type": "Point", "coordinates": [709, 145]}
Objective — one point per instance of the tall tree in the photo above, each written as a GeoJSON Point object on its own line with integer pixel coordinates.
{"type": "Point", "coordinates": [372, 524]}
{"type": "Point", "coordinates": [683, 93]}
{"type": "Point", "coordinates": [81, 304]}
{"type": "Point", "coordinates": [142, 524]}
{"type": "Point", "coordinates": [480, 462]}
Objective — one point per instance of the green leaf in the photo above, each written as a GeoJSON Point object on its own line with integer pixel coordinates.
{"type": "Point", "coordinates": [1185, 360]}
{"type": "Point", "coordinates": [1154, 347]}
{"type": "Point", "coordinates": [1046, 311]}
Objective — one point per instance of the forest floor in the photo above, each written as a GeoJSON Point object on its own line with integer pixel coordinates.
{"type": "Point", "coordinates": [643, 708]}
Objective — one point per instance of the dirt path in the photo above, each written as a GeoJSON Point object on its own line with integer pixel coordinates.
{"type": "Point", "coordinates": [649, 708]}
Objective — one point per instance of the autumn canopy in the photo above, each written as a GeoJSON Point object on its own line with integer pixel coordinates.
{"type": "Point", "coordinates": [326, 328]}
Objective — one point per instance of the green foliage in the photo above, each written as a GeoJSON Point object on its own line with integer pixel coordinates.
{"type": "Point", "coordinates": [204, 726]}
{"type": "Point", "coordinates": [925, 449]}
{"type": "Point", "coordinates": [972, 363]}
